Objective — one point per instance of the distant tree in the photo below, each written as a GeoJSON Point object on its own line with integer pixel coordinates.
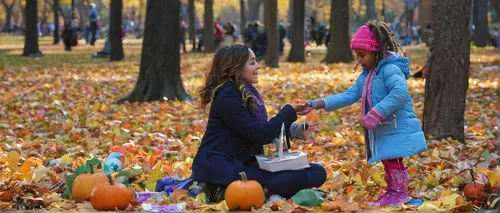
{"type": "Point", "coordinates": [271, 24]}
{"type": "Point", "coordinates": [159, 75]}
{"type": "Point", "coordinates": [31, 47]}
{"type": "Point", "coordinates": [297, 52]}
{"type": "Point", "coordinates": [339, 48]}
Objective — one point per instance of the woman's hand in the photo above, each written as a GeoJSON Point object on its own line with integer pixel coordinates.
{"type": "Point", "coordinates": [311, 130]}
{"type": "Point", "coordinates": [303, 131]}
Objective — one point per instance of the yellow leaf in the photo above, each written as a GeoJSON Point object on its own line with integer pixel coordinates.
{"type": "Point", "coordinates": [67, 158]}
{"type": "Point", "coordinates": [116, 131]}
{"type": "Point", "coordinates": [358, 179]}
{"type": "Point", "coordinates": [435, 153]}
{"type": "Point", "coordinates": [202, 197]}
{"type": "Point", "coordinates": [269, 109]}
{"type": "Point", "coordinates": [222, 206]}
{"type": "Point", "coordinates": [393, 209]}
{"type": "Point", "coordinates": [494, 178]}
{"type": "Point", "coordinates": [40, 172]}
{"type": "Point", "coordinates": [13, 159]}
{"type": "Point", "coordinates": [431, 182]}
{"type": "Point", "coordinates": [377, 179]}
{"type": "Point", "coordinates": [96, 107]}
{"type": "Point", "coordinates": [430, 206]}
{"type": "Point", "coordinates": [450, 202]}
{"type": "Point", "coordinates": [156, 174]}
{"type": "Point", "coordinates": [445, 193]}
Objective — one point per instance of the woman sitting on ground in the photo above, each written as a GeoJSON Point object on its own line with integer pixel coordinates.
{"type": "Point", "coordinates": [238, 127]}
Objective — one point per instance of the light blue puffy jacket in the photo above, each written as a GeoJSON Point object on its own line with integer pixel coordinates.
{"type": "Point", "coordinates": [400, 133]}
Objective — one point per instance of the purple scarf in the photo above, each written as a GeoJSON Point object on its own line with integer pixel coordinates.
{"type": "Point", "coordinates": [259, 111]}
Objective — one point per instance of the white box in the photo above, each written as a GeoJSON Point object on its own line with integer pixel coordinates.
{"type": "Point", "coordinates": [289, 161]}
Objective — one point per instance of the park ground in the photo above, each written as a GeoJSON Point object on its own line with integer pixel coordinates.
{"type": "Point", "coordinates": [67, 99]}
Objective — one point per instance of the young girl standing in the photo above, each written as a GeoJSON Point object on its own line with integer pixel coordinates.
{"type": "Point", "coordinates": [391, 129]}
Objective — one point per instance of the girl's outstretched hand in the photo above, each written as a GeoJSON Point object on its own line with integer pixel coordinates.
{"type": "Point", "coordinates": [302, 109]}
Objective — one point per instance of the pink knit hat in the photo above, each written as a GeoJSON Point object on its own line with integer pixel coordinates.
{"type": "Point", "coordinates": [364, 39]}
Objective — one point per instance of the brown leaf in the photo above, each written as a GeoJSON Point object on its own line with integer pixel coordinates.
{"type": "Point", "coordinates": [8, 195]}
{"type": "Point", "coordinates": [179, 195]}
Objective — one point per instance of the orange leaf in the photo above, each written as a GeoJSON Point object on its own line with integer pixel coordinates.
{"type": "Point", "coordinates": [26, 169]}
{"type": "Point", "coordinates": [313, 116]}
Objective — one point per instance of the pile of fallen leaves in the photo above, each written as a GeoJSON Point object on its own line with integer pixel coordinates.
{"type": "Point", "coordinates": [53, 120]}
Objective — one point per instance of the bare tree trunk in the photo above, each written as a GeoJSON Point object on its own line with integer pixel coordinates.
{"type": "Point", "coordinates": [339, 48]}
{"type": "Point", "coordinates": [481, 35]}
{"type": "Point", "coordinates": [254, 9]}
{"type": "Point", "coordinates": [159, 76]}
{"type": "Point", "coordinates": [83, 14]}
{"type": "Point", "coordinates": [55, 9]}
{"type": "Point", "coordinates": [115, 32]}
{"type": "Point", "coordinates": [23, 12]}
{"type": "Point", "coordinates": [297, 33]}
{"type": "Point", "coordinates": [447, 82]}
{"type": "Point", "coordinates": [8, 17]}
{"type": "Point", "coordinates": [208, 34]}
{"type": "Point", "coordinates": [9, 9]}
{"type": "Point", "coordinates": [382, 13]}
{"type": "Point", "coordinates": [73, 16]}
{"type": "Point", "coordinates": [31, 32]}
{"type": "Point", "coordinates": [271, 24]}
{"type": "Point", "coordinates": [192, 24]}
{"type": "Point", "coordinates": [243, 16]}
{"type": "Point", "coordinates": [370, 10]}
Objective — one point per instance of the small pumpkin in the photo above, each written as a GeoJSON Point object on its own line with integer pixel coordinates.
{"type": "Point", "coordinates": [85, 183]}
{"type": "Point", "coordinates": [110, 197]}
{"type": "Point", "coordinates": [244, 194]}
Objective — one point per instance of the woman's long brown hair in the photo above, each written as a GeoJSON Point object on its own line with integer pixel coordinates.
{"type": "Point", "coordinates": [226, 65]}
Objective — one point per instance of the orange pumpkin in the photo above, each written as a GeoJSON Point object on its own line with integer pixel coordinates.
{"type": "Point", "coordinates": [85, 183]}
{"type": "Point", "coordinates": [244, 194]}
{"type": "Point", "coordinates": [110, 197]}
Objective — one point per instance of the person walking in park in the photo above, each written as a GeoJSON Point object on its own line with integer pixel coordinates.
{"type": "Point", "coordinates": [182, 31]}
{"type": "Point", "coordinates": [94, 17]}
{"type": "Point", "coordinates": [67, 36]}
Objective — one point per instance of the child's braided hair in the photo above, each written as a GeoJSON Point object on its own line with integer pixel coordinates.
{"type": "Point", "coordinates": [386, 39]}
